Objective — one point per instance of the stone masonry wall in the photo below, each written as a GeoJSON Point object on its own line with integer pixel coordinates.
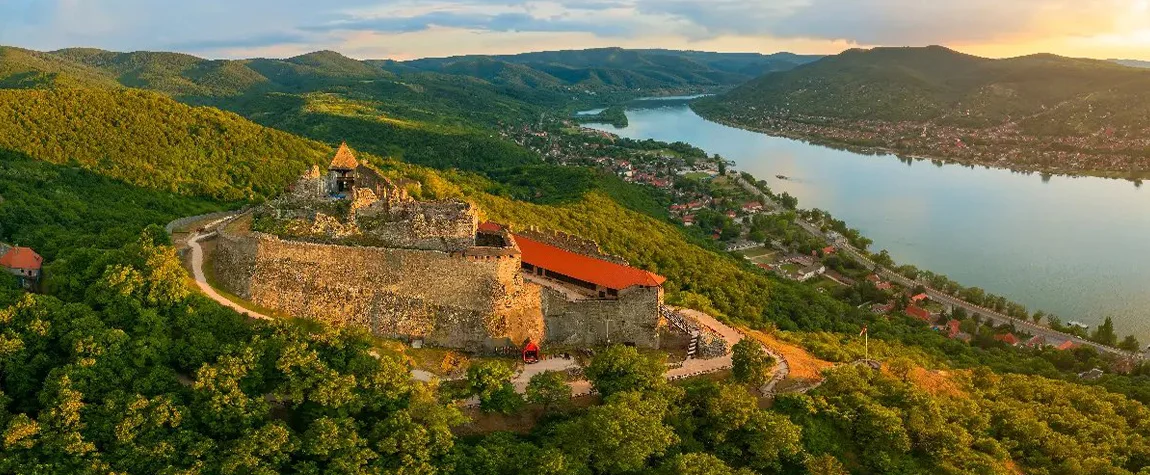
{"type": "Point", "coordinates": [633, 318]}
{"type": "Point", "coordinates": [446, 298]}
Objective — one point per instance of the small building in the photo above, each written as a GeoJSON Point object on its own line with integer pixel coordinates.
{"type": "Point", "coordinates": [1008, 338]}
{"type": "Point", "coordinates": [918, 312]}
{"type": "Point", "coordinates": [919, 298]}
{"type": "Point", "coordinates": [811, 271]}
{"type": "Point", "coordinates": [883, 286]}
{"type": "Point", "coordinates": [1067, 345]}
{"type": "Point", "coordinates": [752, 206]}
{"type": "Point", "coordinates": [828, 250]}
{"type": "Point", "coordinates": [341, 171]}
{"type": "Point", "coordinates": [1037, 341]}
{"type": "Point", "coordinates": [881, 308]}
{"type": "Point", "coordinates": [1091, 375]}
{"type": "Point", "coordinates": [23, 263]}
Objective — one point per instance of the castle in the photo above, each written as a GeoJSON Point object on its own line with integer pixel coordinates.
{"type": "Point", "coordinates": [351, 247]}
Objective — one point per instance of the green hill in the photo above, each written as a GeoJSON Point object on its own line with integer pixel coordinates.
{"type": "Point", "coordinates": [932, 98]}
{"type": "Point", "coordinates": [150, 140]}
{"type": "Point", "coordinates": [606, 69]}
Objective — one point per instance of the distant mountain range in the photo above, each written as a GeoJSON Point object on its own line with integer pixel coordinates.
{"type": "Point", "coordinates": [1134, 63]}
{"type": "Point", "coordinates": [1041, 111]}
{"type": "Point", "coordinates": [608, 68]}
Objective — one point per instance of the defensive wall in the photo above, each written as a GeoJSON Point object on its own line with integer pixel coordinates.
{"type": "Point", "coordinates": [472, 299]}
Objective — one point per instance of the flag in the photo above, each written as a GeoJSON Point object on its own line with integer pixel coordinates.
{"type": "Point", "coordinates": [863, 332]}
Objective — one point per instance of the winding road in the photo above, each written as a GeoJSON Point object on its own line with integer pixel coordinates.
{"type": "Point", "coordinates": [689, 368]}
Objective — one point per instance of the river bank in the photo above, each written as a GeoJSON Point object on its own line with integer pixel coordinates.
{"type": "Point", "coordinates": [1058, 244]}
{"type": "Point", "coordinates": [1135, 177]}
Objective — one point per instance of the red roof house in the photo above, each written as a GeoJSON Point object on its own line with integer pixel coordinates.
{"type": "Point", "coordinates": [22, 259]}
{"type": "Point", "coordinates": [952, 328]}
{"type": "Point", "coordinates": [24, 263]}
{"type": "Point", "coordinates": [882, 286]}
{"type": "Point", "coordinates": [918, 312]}
{"type": "Point", "coordinates": [584, 268]}
{"type": "Point", "coordinates": [1067, 345]}
{"type": "Point", "coordinates": [828, 250]}
{"type": "Point", "coordinates": [918, 298]}
{"type": "Point", "coordinates": [1007, 338]}
{"type": "Point", "coordinates": [874, 278]}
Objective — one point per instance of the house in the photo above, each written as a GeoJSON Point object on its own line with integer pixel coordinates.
{"type": "Point", "coordinates": [1007, 338]}
{"type": "Point", "coordinates": [1038, 341]}
{"type": "Point", "coordinates": [752, 206]}
{"type": "Point", "coordinates": [883, 286]}
{"type": "Point", "coordinates": [874, 278]}
{"type": "Point", "coordinates": [953, 328]}
{"type": "Point", "coordinates": [918, 298]}
{"type": "Point", "coordinates": [24, 263]}
{"type": "Point", "coordinates": [809, 272]}
{"type": "Point", "coordinates": [828, 250]}
{"type": "Point", "coordinates": [732, 214]}
{"type": "Point", "coordinates": [689, 220]}
{"type": "Point", "coordinates": [918, 312]}
{"type": "Point", "coordinates": [881, 308]}
{"type": "Point", "coordinates": [1067, 345]}
{"type": "Point", "coordinates": [1091, 375]}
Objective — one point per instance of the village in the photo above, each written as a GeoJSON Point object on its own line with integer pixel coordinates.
{"type": "Point", "coordinates": [1004, 145]}
{"type": "Point", "coordinates": [737, 213]}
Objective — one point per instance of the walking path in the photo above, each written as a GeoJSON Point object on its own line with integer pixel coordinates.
{"type": "Point", "coordinates": [689, 368]}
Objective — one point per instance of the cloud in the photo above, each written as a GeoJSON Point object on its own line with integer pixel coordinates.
{"type": "Point", "coordinates": [229, 27]}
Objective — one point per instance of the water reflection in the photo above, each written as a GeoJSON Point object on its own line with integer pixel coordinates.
{"type": "Point", "coordinates": [1076, 247]}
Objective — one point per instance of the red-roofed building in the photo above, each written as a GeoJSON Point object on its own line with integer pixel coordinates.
{"type": "Point", "coordinates": [1007, 338]}
{"type": "Point", "coordinates": [874, 278]}
{"type": "Point", "coordinates": [953, 328]}
{"type": "Point", "coordinates": [1038, 341]}
{"type": "Point", "coordinates": [1067, 345]}
{"type": "Point", "coordinates": [828, 250]}
{"type": "Point", "coordinates": [24, 263]}
{"type": "Point", "coordinates": [918, 312]}
{"type": "Point", "coordinates": [882, 286]}
{"type": "Point", "coordinates": [918, 298]}
{"type": "Point", "coordinates": [601, 277]}
{"type": "Point", "coordinates": [752, 206]}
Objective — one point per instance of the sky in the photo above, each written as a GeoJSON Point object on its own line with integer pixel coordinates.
{"type": "Point", "coordinates": [407, 29]}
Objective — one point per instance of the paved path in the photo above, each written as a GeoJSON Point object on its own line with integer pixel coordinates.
{"type": "Point", "coordinates": [689, 368]}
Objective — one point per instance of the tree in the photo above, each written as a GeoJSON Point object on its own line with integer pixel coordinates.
{"type": "Point", "coordinates": [548, 389]}
{"type": "Point", "coordinates": [750, 363]}
{"type": "Point", "coordinates": [825, 464]}
{"type": "Point", "coordinates": [1130, 343]}
{"type": "Point", "coordinates": [699, 463]}
{"type": "Point", "coordinates": [491, 382]}
{"type": "Point", "coordinates": [1105, 334]}
{"type": "Point", "coordinates": [621, 368]}
{"type": "Point", "coordinates": [619, 436]}
{"type": "Point", "coordinates": [1038, 314]}
{"type": "Point", "coordinates": [901, 367]}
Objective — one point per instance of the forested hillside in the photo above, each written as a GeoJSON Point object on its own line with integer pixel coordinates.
{"type": "Point", "coordinates": [1040, 112]}
{"type": "Point", "coordinates": [607, 69]}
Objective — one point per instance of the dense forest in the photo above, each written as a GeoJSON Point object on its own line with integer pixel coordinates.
{"type": "Point", "coordinates": [120, 366]}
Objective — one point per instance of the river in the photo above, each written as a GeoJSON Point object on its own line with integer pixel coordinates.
{"type": "Point", "coordinates": [1077, 247]}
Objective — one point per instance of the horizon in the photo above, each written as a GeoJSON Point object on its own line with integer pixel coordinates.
{"type": "Point", "coordinates": [766, 53]}
{"type": "Point", "coordinates": [410, 29]}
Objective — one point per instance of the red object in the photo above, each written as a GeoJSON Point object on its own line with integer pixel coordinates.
{"type": "Point", "coordinates": [863, 332]}
{"type": "Point", "coordinates": [490, 227]}
{"type": "Point", "coordinates": [918, 312]}
{"type": "Point", "coordinates": [21, 258]}
{"type": "Point", "coordinates": [531, 352]}
{"type": "Point", "coordinates": [585, 268]}
{"type": "Point", "coordinates": [1008, 338]}
{"type": "Point", "coordinates": [828, 250]}
{"type": "Point", "coordinates": [1067, 345]}
{"type": "Point", "coordinates": [952, 328]}
{"type": "Point", "coordinates": [918, 298]}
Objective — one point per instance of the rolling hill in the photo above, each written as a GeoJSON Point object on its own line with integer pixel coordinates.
{"type": "Point", "coordinates": [1042, 112]}
{"type": "Point", "coordinates": [607, 69]}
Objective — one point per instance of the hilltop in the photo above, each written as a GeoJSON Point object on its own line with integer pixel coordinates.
{"type": "Point", "coordinates": [609, 69]}
{"type": "Point", "coordinates": [1038, 112]}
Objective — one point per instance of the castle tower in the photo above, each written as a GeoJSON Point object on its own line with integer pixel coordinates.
{"type": "Point", "coordinates": [341, 172]}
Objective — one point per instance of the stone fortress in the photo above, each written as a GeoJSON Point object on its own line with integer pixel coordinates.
{"type": "Point", "coordinates": [351, 247]}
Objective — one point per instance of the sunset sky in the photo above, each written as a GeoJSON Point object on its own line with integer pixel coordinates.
{"type": "Point", "coordinates": [404, 29]}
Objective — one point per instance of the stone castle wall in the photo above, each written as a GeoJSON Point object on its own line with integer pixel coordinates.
{"type": "Point", "coordinates": [632, 318]}
{"type": "Point", "coordinates": [449, 299]}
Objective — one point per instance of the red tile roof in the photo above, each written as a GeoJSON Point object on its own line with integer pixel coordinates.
{"type": "Point", "coordinates": [585, 268]}
{"type": "Point", "coordinates": [918, 312]}
{"type": "Point", "coordinates": [344, 159]}
{"type": "Point", "coordinates": [1008, 338]}
{"type": "Point", "coordinates": [1067, 345]}
{"type": "Point", "coordinates": [952, 328]}
{"type": "Point", "coordinates": [490, 227]}
{"type": "Point", "coordinates": [21, 258]}
{"type": "Point", "coordinates": [919, 297]}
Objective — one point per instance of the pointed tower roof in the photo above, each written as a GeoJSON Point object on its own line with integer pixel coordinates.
{"type": "Point", "coordinates": [344, 159]}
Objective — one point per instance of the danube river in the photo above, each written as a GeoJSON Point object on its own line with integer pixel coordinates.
{"type": "Point", "coordinates": [1075, 247]}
